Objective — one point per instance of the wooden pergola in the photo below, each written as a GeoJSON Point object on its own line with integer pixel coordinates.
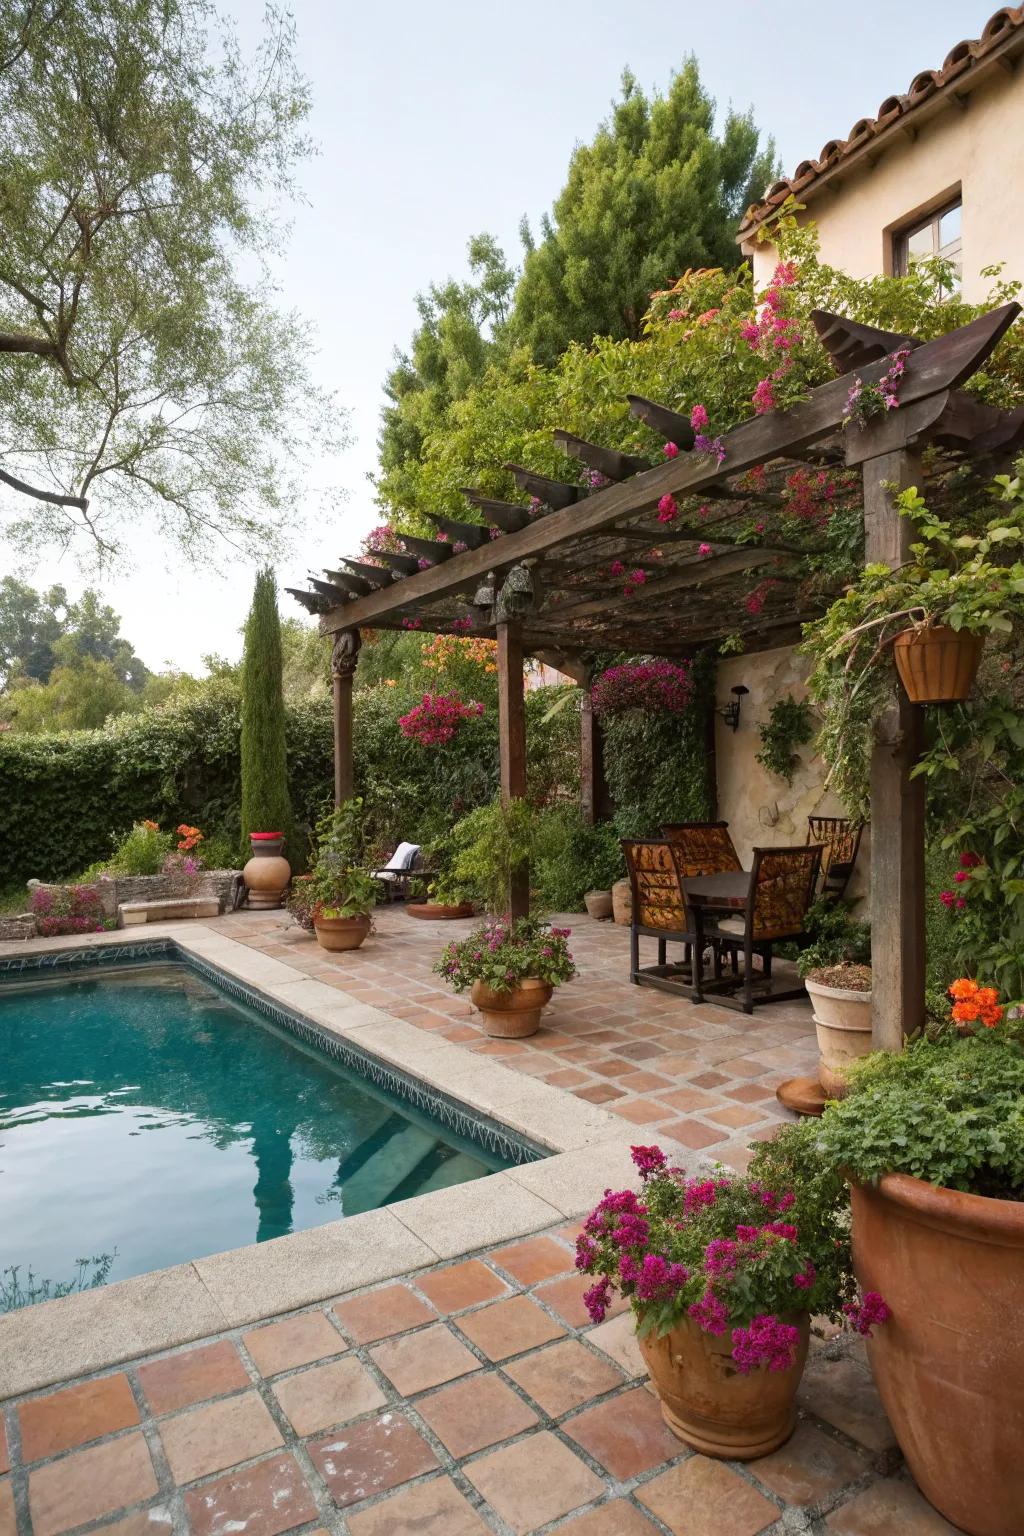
{"type": "Point", "coordinates": [556, 579]}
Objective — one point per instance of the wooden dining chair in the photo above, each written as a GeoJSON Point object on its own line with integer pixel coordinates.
{"type": "Point", "coordinates": [782, 886]}
{"type": "Point", "coordinates": [658, 907]}
{"type": "Point", "coordinates": [839, 838]}
{"type": "Point", "coordinates": [705, 847]}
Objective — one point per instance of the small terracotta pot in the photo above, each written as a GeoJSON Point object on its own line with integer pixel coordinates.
{"type": "Point", "coordinates": [512, 1015]}
{"type": "Point", "coordinates": [709, 1403]}
{"type": "Point", "coordinates": [267, 873]}
{"type": "Point", "coordinates": [937, 665]}
{"type": "Point", "coordinates": [842, 1023]}
{"type": "Point", "coordinates": [949, 1363]}
{"type": "Point", "coordinates": [598, 904]}
{"type": "Point", "coordinates": [622, 903]}
{"type": "Point", "coordinates": [438, 911]}
{"type": "Point", "coordinates": [341, 932]}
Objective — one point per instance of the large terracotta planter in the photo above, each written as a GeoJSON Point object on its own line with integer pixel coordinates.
{"type": "Point", "coordinates": [842, 1023]}
{"type": "Point", "coordinates": [267, 873]}
{"type": "Point", "coordinates": [937, 665]}
{"type": "Point", "coordinates": [598, 904]}
{"type": "Point", "coordinates": [341, 932]}
{"type": "Point", "coordinates": [949, 1364]}
{"type": "Point", "coordinates": [709, 1403]}
{"type": "Point", "coordinates": [515, 1014]}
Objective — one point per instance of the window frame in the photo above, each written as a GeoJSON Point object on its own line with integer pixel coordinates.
{"type": "Point", "coordinates": [930, 219]}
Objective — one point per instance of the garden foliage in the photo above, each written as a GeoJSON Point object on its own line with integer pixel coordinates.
{"type": "Point", "coordinates": [265, 803]}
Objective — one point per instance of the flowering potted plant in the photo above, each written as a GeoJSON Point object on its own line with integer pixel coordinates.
{"type": "Point", "coordinates": [511, 969]}
{"type": "Point", "coordinates": [723, 1275]}
{"type": "Point", "coordinates": [932, 1141]}
{"type": "Point", "coordinates": [341, 895]}
{"type": "Point", "coordinates": [932, 613]}
{"type": "Point", "coordinates": [836, 973]}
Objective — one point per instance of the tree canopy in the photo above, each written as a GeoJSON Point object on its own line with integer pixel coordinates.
{"type": "Point", "coordinates": [42, 630]}
{"type": "Point", "coordinates": [143, 378]}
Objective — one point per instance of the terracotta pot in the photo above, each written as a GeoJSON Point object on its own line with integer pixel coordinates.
{"type": "Point", "coordinates": [842, 1023]}
{"type": "Point", "coordinates": [267, 873]}
{"type": "Point", "coordinates": [937, 665]}
{"type": "Point", "coordinates": [949, 1364]}
{"type": "Point", "coordinates": [711, 1405]}
{"type": "Point", "coordinates": [598, 904]}
{"type": "Point", "coordinates": [437, 909]}
{"type": "Point", "coordinates": [622, 903]}
{"type": "Point", "coordinates": [515, 1014]}
{"type": "Point", "coordinates": [341, 932]}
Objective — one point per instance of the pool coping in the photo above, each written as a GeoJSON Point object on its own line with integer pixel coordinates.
{"type": "Point", "coordinates": [91, 1330]}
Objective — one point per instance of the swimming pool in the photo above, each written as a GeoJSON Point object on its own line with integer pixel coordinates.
{"type": "Point", "coordinates": [148, 1116]}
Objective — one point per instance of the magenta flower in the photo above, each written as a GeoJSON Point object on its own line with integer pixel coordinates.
{"type": "Point", "coordinates": [704, 551]}
{"type": "Point", "coordinates": [671, 450]}
{"type": "Point", "coordinates": [648, 1160]}
{"type": "Point", "coordinates": [668, 511]}
{"type": "Point", "coordinates": [698, 418]}
{"type": "Point", "coordinates": [767, 1341]}
{"type": "Point", "coordinates": [869, 1313]}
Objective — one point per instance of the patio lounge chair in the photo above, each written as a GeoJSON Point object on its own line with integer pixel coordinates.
{"type": "Point", "coordinates": [781, 888]}
{"type": "Point", "coordinates": [839, 838]}
{"type": "Point", "coordinates": [397, 875]}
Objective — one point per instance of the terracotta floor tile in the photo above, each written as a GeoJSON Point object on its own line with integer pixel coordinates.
{"type": "Point", "coordinates": [5, 1460]}
{"type": "Point", "coordinates": [192, 1377]}
{"type": "Point", "coordinates": [154, 1520]}
{"type": "Point", "coordinates": [75, 1415]}
{"type": "Point", "coordinates": [619, 1518]}
{"type": "Point", "coordinates": [843, 1394]}
{"type": "Point", "coordinates": [90, 1483]}
{"type": "Point", "coordinates": [436, 1508]}
{"type": "Point", "coordinates": [461, 1285]}
{"type": "Point", "coordinates": [370, 1458]}
{"type": "Point", "coordinates": [643, 1050]}
{"type": "Point", "coordinates": [612, 1068]}
{"type": "Point", "coordinates": [328, 1394]}
{"type": "Point", "coordinates": [626, 1434]}
{"type": "Point", "coordinates": [600, 1093]}
{"type": "Point", "coordinates": [890, 1507]}
{"type": "Point", "coordinates": [686, 1100]}
{"type": "Point", "coordinates": [749, 1093]}
{"type": "Point", "coordinates": [644, 1082]}
{"type": "Point", "coordinates": [566, 1077]}
{"type": "Point", "coordinates": [563, 1376]}
{"type": "Point", "coordinates": [734, 1116]}
{"type": "Point", "coordinates": [709, 1080]}
{"type": "Point", "coordinates": [218, 1435]}
{"type": "Point", "coordinates": [8, 1515]}
{"type": "Point", "coordinates": [470, 1415]}
{"type": "Point", "coordinates": [809, 1467]}
{"type": "Point", "coordinates": [694, 1134]}
{"type": "Point", "coordinates": [416, 1361]}
{"type": "Point", "coordinates": [295, 1341]}
{"type": "Point", "coordinates": [642, 1111]}
{"type": "Point", "coordinates": [566, 1298]}
{"type": "Point", "coordinates": [509, 1327]}
{"type": "Point", "coordinates": [262, 1500]}
{"type": "Point", "coordinates": [538, 1258]}
{"type": "Point", "coordinates": [617, 1338]}
{"type": "Point", "coordinates": [742, 1066]}
{"type": "Point", "coordinates": [381, 1313]}
{"type": "Point", "coordinates": [533, 1482]}
{"type": "Point", "coordinates": [701, 1497]}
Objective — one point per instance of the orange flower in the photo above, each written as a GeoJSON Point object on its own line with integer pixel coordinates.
{"type": "Point", "coordinates": [992, 1016]}
{"type": "Point", "coordinates": [963, 988]}
{"type": "Point", "coordinates": [966, 1012]}
{"type": "Point", "coordinates": [988, 996]}
{"type": "Point", "coordinates": [151, 826]}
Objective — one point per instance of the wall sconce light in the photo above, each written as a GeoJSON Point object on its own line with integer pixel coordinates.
{"type": "Point", "coordinates": [730, 713]}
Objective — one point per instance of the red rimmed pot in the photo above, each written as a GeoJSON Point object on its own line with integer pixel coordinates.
{"type": "Point", "coordinates": [268, 872]}
{"type": "Point", "coordinates": [514, 1014]}
{"type": "Point", "coordinates": [937, 665]}
{"type": "Point", "coordinates": [949, 1363]}
{"type": "Point", "coordinates": [340, 932]}
{"type": "Point", "coordinates": [708, 1402]}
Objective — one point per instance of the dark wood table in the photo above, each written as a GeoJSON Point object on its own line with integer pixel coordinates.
{"type": "Point", "coordinates": [722, 894]}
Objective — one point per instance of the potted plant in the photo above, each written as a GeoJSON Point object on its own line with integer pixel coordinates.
{"type": "Point", "coordinates": [838, 979]}
{"type": "Point", "coordinates": [723, 1275]}
{"type": "Point", "coordinates": [447, 899]}
{"type": "Point", "coordinates": [341, 893]}
{"type": "Point", "coordinates": [511, 969]}
{"type": "Point", "coordinates": [932, 1140]}
{"type": "Point", "coordinates": [931, 614]}
{"type": "Point", "coordinates": [267, 872]}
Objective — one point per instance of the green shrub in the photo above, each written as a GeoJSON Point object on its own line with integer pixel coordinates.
{"type": "Point", "coordinates": [571, 857]}
{"type": "Point", "coordinates": [658, 766]}
{"type": "Point", "coordinates": [141, 851]}
{"type": "Point", "coordinates": [488, 846]}
{"type": "Point", "coordinates": [266, 806]}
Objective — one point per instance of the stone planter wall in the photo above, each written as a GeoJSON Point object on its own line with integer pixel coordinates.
{"type": "Point", "coordinates": [23, 927]}
{"type": "Point", "coordinates": [218, 883]}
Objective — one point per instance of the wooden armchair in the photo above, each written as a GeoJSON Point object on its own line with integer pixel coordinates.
{"type": "Point", "coordinates": [658, 907]}
{"type": "Point", "coordinates": [782, 886]}
{"type": "Point", "coordinates": [703, 847]}
{"type": "Point", "coordinates": [839, 839]}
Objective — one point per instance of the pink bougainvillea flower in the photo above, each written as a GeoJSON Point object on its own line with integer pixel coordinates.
{"type": "Point", "coordinates": [671, 450]}
{"type": "Point", "coordinates": [617, 568]}
{"type": "Point", "coordinates": [704, 551]}
{"type": "Point", "coordinates": [668, 511]}
{"type": "Point", "coordinates": [699, 418]}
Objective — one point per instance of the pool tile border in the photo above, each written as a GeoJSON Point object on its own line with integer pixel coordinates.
{"type": "Point", "coordinates": [558, 1178]}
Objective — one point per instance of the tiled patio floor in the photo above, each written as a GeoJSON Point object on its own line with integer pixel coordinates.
{"type": "Point", "coordinates": [704, 1075]}
{"type": "Point", "coordinates": [466, 1399]}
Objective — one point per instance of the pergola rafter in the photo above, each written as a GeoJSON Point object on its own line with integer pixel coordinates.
{"type": "Point", "coordinates": [594, 569]}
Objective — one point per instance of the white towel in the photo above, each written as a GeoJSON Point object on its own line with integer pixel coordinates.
{"type": "Point", "coordinates": [403, 856]}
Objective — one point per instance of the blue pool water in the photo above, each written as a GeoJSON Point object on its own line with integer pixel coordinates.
{"type": "Point", "coordinates": [147, 1116]}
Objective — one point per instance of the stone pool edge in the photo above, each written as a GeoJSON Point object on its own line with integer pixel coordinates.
{"type": "Point", "coordinates": [92, 1330]}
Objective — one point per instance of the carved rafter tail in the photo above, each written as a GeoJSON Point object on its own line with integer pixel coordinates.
{"type": "Point", "coordinates": [555, 493]}
{"type": "Point", "coordinates": [852, 345]}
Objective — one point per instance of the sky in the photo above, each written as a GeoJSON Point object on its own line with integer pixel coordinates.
{"type": "Point", "coordinates": [435, 122]}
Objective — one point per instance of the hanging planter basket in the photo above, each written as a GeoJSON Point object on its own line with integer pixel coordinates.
{"type": "Point", "coordinates": [937, 665]}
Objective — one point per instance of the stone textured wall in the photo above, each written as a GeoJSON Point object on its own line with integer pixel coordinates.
{"type": "Point", "coordinates": [22, 927]}
{"type": "Point", "coordinates": [762, 810]}
{"type": "Point", "coordinates": [219, 883]}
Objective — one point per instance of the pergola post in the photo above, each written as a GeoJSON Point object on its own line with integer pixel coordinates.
{"type": "Point", "coordinates": [512, 740]}
{"type": "Point", "coordinates": [593, 788]}
{"type": "Point", "coordinates": [344, 657]}
{"type": "Point", "coordinates": [897, 800]}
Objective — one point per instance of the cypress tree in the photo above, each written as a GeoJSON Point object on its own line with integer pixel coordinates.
{"type": "Point", "coordinates": [266, 806]}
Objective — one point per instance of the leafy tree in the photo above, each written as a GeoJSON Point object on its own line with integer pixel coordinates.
{"type": "Point", "coordinates": [266, 806]}
{"type": "Point", "coordinates": [143, 377]}
{"type": "Point", "coordinates": [78, 696]}
{"type": "Point", "coordinates": [463, 327]}
{"type": "Point", "coordinates": [656, 191]}
{"type": "Point", "coordinates": [42, 630]}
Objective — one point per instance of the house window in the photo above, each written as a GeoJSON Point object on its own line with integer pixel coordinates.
{"type": "Point", "coordinates": [936, 235]}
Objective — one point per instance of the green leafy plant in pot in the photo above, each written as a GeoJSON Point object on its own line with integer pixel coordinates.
{"type": "Point", "coordinates": [931, 615]}
{"type": "Point", "coordinates": [341, 895]}
{"type": "Point", "coordinates": [510, 968]}
{"type": "Point", "coordinates": [836, 973]}
{"type": "Point", "coordinates": [932, 1142]}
